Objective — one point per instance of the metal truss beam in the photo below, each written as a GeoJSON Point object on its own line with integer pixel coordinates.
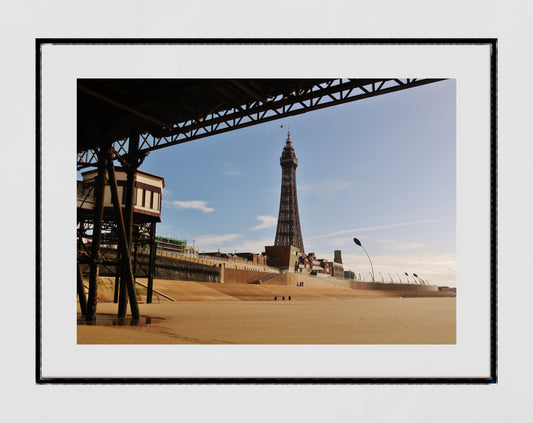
{"type": "Point", "coordinates": [325, 94]}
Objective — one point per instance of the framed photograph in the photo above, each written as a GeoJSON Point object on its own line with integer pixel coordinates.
{"type": "Point", "coordinates": [331, 205]}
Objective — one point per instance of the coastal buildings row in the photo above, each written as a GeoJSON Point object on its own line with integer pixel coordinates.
{"type": "Point", "coordinates": [290, 259]}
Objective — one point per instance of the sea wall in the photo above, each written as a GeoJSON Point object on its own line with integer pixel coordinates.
{"type": "Point", "coordinates": [293, 279]}
{"type": "Point", "coordinates": [172, 268]}
{"type": "Point", "coordinates": [185, 269]}
{"type": "Point", "coordinates": [392, 286]}
{"type": "Point", "coordinates": [242, 276]}
{"type": "Point", "coordinates": [167, 267]}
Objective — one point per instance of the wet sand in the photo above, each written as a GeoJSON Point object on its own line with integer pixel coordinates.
{"type": "Point", "coordinates": [347, 321]}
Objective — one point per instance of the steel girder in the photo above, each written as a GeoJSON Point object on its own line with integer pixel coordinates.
{"type": "Point", "coordinates": [321, 95]}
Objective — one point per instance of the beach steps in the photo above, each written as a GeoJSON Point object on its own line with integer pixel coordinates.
{"type": "Point", "coordinates": [106, 290]}
{"type": "Point", "coordinates": [191, 291]}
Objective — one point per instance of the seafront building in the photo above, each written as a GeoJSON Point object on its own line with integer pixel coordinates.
{"type": "Point", "coordinates": [171, 245]}
{"type": "Point", "coordinates": [147, 195]}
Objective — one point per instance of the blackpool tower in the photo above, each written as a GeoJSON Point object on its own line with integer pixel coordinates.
{"type": "Point", "coordinates": [289, 231]}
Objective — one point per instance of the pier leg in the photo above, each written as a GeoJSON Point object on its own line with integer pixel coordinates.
{"type": "Point", "coordinates": [151, 263]}
{"type": "Point", "coordinates": [135, 250]}
{"type": "Point", "coordinates": [122, 294]}
{"type": "Point", "coordinates": [124, 244]}
{"type": "Point", "coordinates": [133, 151]}
{"type": "Point", "coordinates": [97, 236]}
{"type": "Point", "coordinates": [118, 271]}
{"type": "Point", "coordinates": [81, 292]}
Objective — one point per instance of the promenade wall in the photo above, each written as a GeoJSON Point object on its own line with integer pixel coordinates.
{"type": "Point", "coordinates": [392, 286]}
{"type": "Point", "coordinates": [206, 270]}
{"type": "Point", "coordinates": [183, 270]}
{"type": "Point", "coordinates": [293, 279]}
{"type": "Point", "coordinates": [240, 264]}
{"type": "Point", "coordinates": [242, 276]}
{"type": "Point", "coordinates": [167, 267]}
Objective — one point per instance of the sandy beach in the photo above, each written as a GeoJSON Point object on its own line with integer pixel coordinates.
{"type": "Point", "coordinates": [378, 319]}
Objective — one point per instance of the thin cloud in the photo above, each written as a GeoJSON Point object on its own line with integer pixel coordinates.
{"type": "Point", "coordinates": [249, 246]}
{"type": "Point", "coordinates": [409, 246]}
{"type": "Point", "coordinates": [372, 228]}
{"type": "Point", "coordinates": [229, 169]}
{"type": "Point", "coordinates": [326, 185]}
{"type": "Point", "coordinates": [392, 244]}
{"type": "Point", "coordinates": [386, 241]}
{"type": "Point", "coordinates": [231, 172]}
{"type": "Point", "coordinates": [195, 205]}
{"type": "Point", "coordinates": [326, 188]}
{"type": "Point", "coordinates": [208, 240]}
{"type": "Point", "coordinates": [266, 222]}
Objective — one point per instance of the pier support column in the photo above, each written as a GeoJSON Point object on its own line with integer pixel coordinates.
{"type": "Point", "coordinates": [123, 243]}
{"type": "Point", "coordinates": [221, 265]}
{"type": "Point", "coordinates": [118, 271]}
{"type": "Point", "coordinates": [151, 263]}
{"type": "Point", "coordinates": [81, 291]}
{"type": "Point", "coordinates": [135, 234]}
{"type": "Point", "coordinates": [97, 236]}
{"type": "Point", "coordinates": [133, 163]}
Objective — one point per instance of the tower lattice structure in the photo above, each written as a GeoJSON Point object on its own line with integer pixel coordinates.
{"type": "Point", "coordinates": [289, 231]}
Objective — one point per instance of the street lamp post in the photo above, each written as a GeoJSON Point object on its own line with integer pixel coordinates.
{"type": "Point", "coordinates": [357, 242]}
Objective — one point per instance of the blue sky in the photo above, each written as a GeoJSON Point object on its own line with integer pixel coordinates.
{"type": "Point", "coordinates": [381, 169]}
